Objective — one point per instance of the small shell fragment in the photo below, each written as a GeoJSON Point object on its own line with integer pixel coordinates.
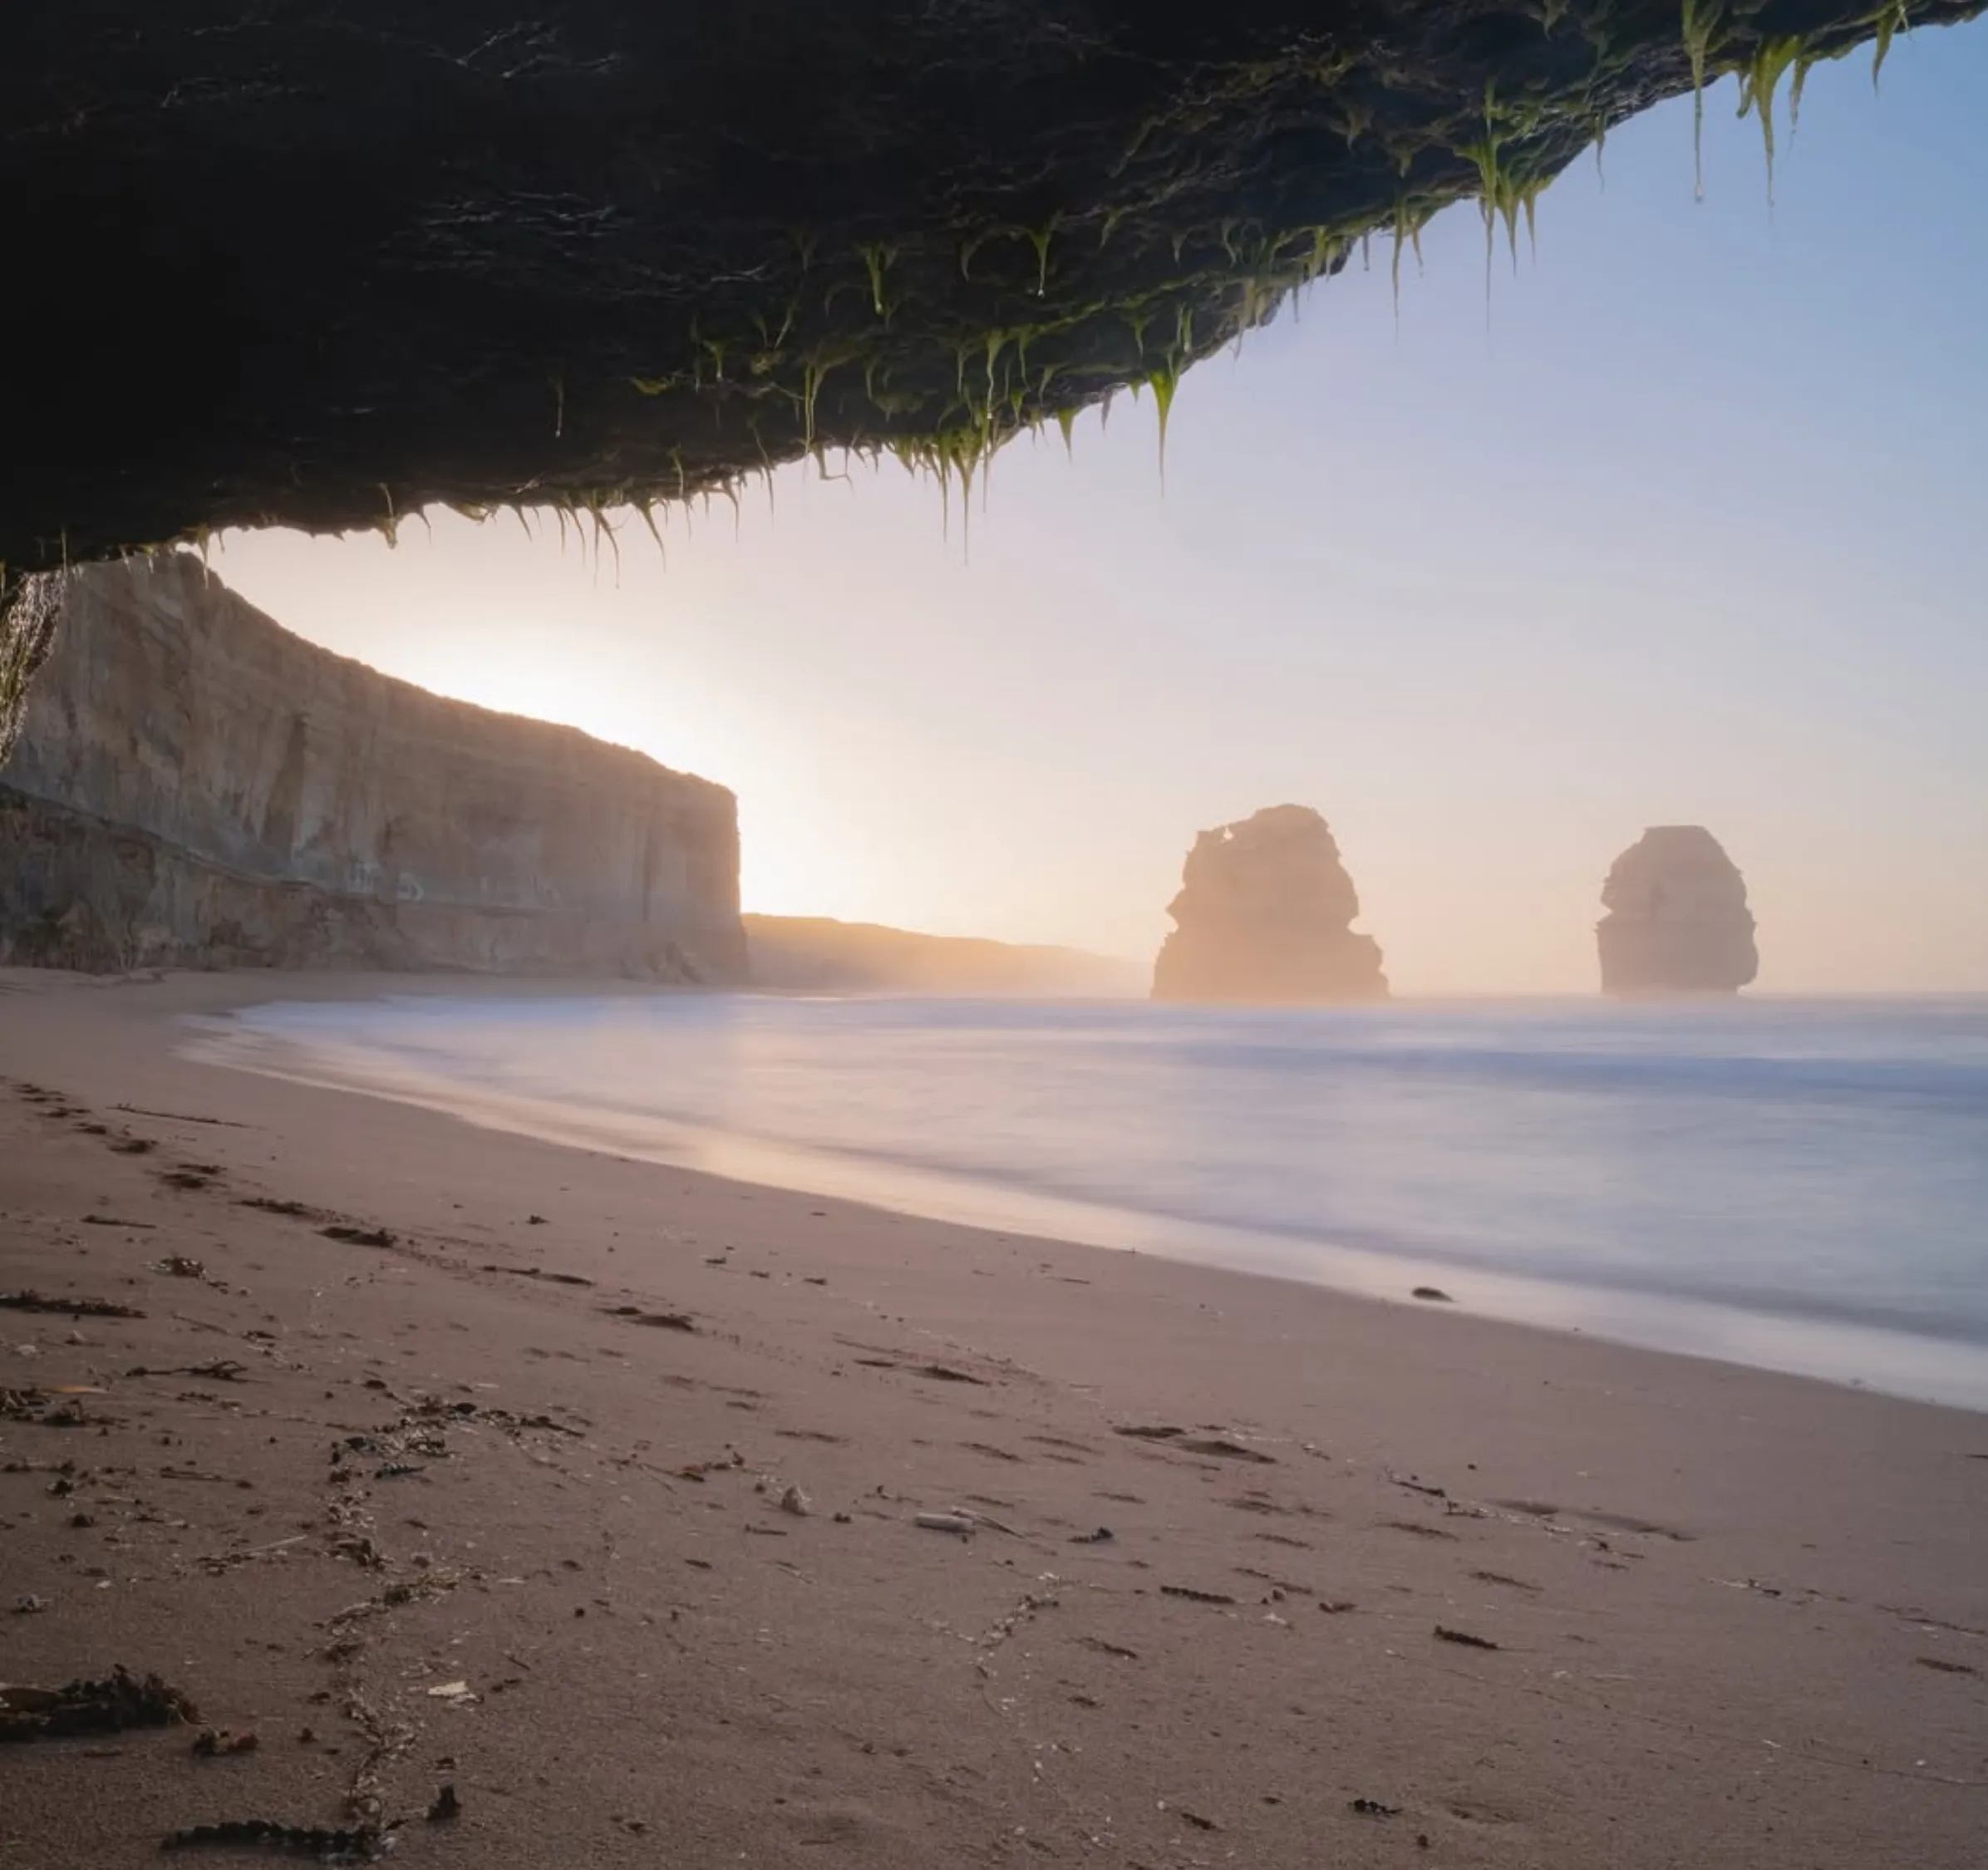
{"type": "Point", "coordinates": [945, 1522]}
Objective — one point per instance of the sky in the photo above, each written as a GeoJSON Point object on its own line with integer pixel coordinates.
{"type": "Point", "coordinates": [1684, 525]}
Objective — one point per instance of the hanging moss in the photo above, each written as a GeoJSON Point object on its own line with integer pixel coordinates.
{"type": "Point", "coordinates": [634, 254]}
{"type": "Point", "coordinates": [1762, 78]}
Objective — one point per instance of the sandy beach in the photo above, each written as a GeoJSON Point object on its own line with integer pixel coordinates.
{"type": "Point", "coordinates": [589, 1490]}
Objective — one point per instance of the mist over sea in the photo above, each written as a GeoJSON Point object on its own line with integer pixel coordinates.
{"type": "Point", "coordinates": [1798, 1185]}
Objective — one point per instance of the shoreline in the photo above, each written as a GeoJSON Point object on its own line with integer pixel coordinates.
{"type": "Point", "coordinates": [583, 1387]}
{"type": "Point", "coordinates": [1832, 1345]}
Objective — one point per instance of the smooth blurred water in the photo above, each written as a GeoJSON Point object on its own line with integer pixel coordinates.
{"type": "Point", "coordinates": [1752, 1164]}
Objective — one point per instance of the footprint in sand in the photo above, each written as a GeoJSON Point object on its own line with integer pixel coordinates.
{"type": "Point", "coordinates": [1499, 1577]}
{"type": "Point", "coordinates": [1483, 1811]}
{"type": "Point", "coordinates": [1169, 1435]}
{"type": "Point", "coordinates": [1630, 1522]}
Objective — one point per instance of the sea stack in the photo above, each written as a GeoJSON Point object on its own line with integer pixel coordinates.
{"type": "Point", "coordinates": [1677, 919]}
{"type": "Point", "coordinates": [1264, 913]}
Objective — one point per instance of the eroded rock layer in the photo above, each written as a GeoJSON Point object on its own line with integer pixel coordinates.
{"type": "Point", "coordinates": [1677, 919]}
{"type": "Point", "coordinates": [320, 265]}
{"type": "Point", "coordinates": [1264, 913]}
{"type": "Point", "coordinates": [196, 787]}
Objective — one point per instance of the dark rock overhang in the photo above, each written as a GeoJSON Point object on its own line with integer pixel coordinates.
{"type": "Point", "coordinates": [274, 263]}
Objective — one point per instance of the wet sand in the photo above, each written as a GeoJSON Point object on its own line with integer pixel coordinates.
{"type": "Point", "coordinates": [442, 1457]}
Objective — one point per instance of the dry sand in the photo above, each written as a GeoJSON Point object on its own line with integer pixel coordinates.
{"type": "Point", "coordinates": [1383, 1584]}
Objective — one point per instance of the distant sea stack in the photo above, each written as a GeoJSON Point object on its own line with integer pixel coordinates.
{"type": "Point", "coordinates": [1264, 913]}
{"type": "Point", "coordinates": [195, 787]}
{"type": "Point", "coordinates": [1677, 919]}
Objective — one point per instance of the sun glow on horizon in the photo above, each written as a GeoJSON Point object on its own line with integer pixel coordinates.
{"type": "Point", "coordinates": [787, 867]}
{"type": "Point", "coordinates": [1493, 605]}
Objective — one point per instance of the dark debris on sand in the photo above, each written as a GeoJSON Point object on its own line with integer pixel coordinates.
{"type": "Point", "coordinates": [359, 1236]}
{"type": "Point", "coordinates": [26, 1300]}
{"type": "Point", "coordinates": [44, 1410]}
{"type": "Point", "coordinates": [355, 1845]}
{"type": "Point", "coordinates": [665, 1320]}
{"type": "Point", "coordinates": [120, 1700]}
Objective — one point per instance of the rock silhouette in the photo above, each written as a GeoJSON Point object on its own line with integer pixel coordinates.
{"type": "Point", "coordinates": [1677, 919]}
{"type": "Point", "coordinates": [587, 254]}
{"type": "Point", "coordinates": [1265, 914]}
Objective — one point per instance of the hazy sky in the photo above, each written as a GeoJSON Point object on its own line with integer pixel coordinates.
{"type": "Point", "coordinates": [1695, 528]}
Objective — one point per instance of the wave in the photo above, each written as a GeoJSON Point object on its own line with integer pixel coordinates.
{"type": "Point", "coordinates": [1822, 1161]}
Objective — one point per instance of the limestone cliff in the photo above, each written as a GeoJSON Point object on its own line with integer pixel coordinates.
{"type": "Point", "coordinates": [1264, 912]}
{"type": "Point", "coordinates": [817, 954]}
{"type": "Point", "coordinates": [196, 787]}
{"type": "Point", "coordinates": [1677, 919]}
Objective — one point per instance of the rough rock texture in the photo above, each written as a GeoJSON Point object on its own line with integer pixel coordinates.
{"type": "Point", "coordinates": [1677, 919]}
{"type": "Point", "coordinates": [817, 954]}
{"type": "Point", "coordinates": [196, 787]}
{"type": "Point", "coordinates": [318, 265]}
{"type": "Point", "coordinates": [28, 615]}
{"type": "Point", "coordinates": [1264, 913]}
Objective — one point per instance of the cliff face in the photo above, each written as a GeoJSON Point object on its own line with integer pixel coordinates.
{"type": "Point", "coordinates": [1264, 913]}
{"type": "Point", "coordinates": [817, 954]}
{"type": "Point", "coordinates": [1677, 919]}
{"type": "Point", "coordinates": [195, 787]}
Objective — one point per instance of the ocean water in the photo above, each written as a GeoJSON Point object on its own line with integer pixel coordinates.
{"type": "Point", "coordinates": [1802, 1185]}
